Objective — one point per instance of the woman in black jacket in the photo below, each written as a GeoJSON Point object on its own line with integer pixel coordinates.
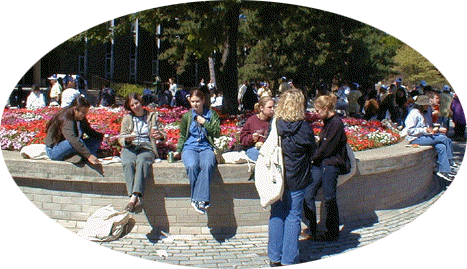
{"type": "Point", "coordinates": [298, 145]}
{"type": "Point", "coordinates": [328, 160]}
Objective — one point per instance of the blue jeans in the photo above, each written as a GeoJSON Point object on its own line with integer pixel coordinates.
{"type": "Point", "coordinates": [443, 146]}
{"type": "Point", "coordinates": [64, 149]}
{"type": "Point", "coordinates": [199, 164]}
{"type": "Point", "coordinates": [252, 153]}
{"type": "Point", "coordinates": [284, 228]}
{"type": "Point", "coordinates": [325, 177]}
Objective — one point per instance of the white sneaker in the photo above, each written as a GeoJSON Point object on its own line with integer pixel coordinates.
{"type": "Point", "coordinates": [198, 207]}
{"type": "Point", "coordinates": [444, 176]}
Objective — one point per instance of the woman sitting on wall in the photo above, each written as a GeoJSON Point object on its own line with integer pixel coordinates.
{"type": "Point", "coordinates": [65, 134]}
{"type": "Point", "coordinates": [255, 130]}
{"type": "Point", "coordinates": [139, 135]}
{"type": "Point", "coordinates": [198, 128]}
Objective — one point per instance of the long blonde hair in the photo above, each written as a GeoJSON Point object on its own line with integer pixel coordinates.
{"type": "Point", "coordinates": [291, 106]}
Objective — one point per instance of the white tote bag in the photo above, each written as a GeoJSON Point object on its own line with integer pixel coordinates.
{"type": "Point", "coordinates": [269, 169]}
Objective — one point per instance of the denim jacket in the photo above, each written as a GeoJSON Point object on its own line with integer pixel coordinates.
{"type": "Point", "coordinates": [415, 125]}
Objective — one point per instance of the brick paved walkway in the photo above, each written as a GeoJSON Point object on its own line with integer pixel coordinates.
{"type": "Point", "coordinates": [250, 250]}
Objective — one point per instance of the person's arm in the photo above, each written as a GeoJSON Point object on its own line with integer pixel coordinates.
{"type": "Point", "coordinates": [414, 126]}
{"type": "Point", "coordinates": [329, 144]}
{"type": "Point", "coordinates": [184, 125]}
{"type": "Point", "coordinates": [213, 126]}
{"type": "Point", "coordinates": [246, 136]}
{"type": "Point", "coordinates": [70, 134]}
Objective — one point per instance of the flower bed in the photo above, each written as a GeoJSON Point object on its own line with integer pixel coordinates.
{"type": "Point", "coordinates": [21, 127]}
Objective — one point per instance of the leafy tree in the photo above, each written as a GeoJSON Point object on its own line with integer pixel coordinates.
{"type": "Point", "coordinates": [414, 67]}
{"type": "Point", "coordinates": [262, 40]}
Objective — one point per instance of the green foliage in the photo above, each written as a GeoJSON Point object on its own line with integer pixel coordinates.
{"type": "Point", "coordinates": [123, 89]}
{"type": "Point", "coordinates": [414, 67]}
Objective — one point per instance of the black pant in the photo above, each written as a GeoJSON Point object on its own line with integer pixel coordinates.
{"type": "Point", "coordinates": [325, 177]}
{"type": "Point", "coordinates": [459, 130]}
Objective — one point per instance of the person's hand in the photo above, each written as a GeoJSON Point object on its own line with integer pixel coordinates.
{"type": "Point", "coordinates": [201, 120]}
{"type": "Point", "coordinates": [93, 160]}
{"type": "Point", "coordinates": [128, 140]}
{"type": "Point", "coordinates": [429, 130]}
{"type": "Point", "coordinates": [255, 137]}
{"type": "Point", "coordinates": [442, 130]}
{"type": "Point", "coordinates": [176, 155]}
{"type": "Point", "coordinates": [156, 134]}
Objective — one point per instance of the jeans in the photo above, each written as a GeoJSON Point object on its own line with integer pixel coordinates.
{"type": "Point", "coordinates": [137, 165]}
{"type": "Point", "coordinates": [325, 177]}
{"type": "Point", "coordinates": [443, 146]}
{"type": "Point", "coordinates": [284, 228]}
{"type": "Point", "coordinates": [252, 153]}
{"type": "Point", "coordinates": [64, 149]}
{"type": "Point", "coordinates": [199, 164]}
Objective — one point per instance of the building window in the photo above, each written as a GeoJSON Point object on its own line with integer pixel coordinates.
{"type": "Point", "coordinates": [133, 68]}
{"type": "Point", "coordinates": [82, 65]}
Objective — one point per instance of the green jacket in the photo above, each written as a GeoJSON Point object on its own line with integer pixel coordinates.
{"type": "Point", "coordinates": [212, 128]}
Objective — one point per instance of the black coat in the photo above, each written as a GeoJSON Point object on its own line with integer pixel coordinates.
{"type": "Point", "coordinates": [332, 143]}
{"type": "Point", "coordinates": [298, 145]}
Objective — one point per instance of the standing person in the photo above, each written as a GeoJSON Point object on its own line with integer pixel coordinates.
{"type": "Point", "coordinates": [241, 93]}
{"type": "Point", "coordinates": [212, 86]}
{"type": "Point", "coordinates": [35, 99]}
{"type": "Point", "coordinates": [199, 126]}
{"type": "Point", "coordinates": [458, 118]}
{"type": "Point", "coordinates": [140, 133]}
{"type": "Point", "coordinates": [417, 131]}
{"type": "Point", "coordinates": [69, 94]}
{"type": "Point", "coordinates": [18, 98]}
{"type": "Point", "coordinates": [298, 145]}
{"type": "Point", "coordinates": [65, 133]}
{"type": "Point", "coordinates": [327, 161]}
{"type": "Point", "coordinates": [283, 86]}
{"type": "Point", "coordinates": [55, 91]}
{"type": "Point", "coordinates": [256, 127]}
{"type": "Point", "coordinates": [249, 98]}
{"type": "Point", "coordinates": [173, 90]}
{"type": "Point", "coordinates": [445, 112]}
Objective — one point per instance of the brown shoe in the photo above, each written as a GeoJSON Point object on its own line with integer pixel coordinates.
{"type": "Point", "coordinates": [130, 207]}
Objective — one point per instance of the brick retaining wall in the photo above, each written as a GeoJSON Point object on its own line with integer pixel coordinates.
{"type": "Point", "coordinates": [387, 178]}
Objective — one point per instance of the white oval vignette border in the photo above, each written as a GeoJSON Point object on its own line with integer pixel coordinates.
{"type": "Point", "coordinates": [33, 28]}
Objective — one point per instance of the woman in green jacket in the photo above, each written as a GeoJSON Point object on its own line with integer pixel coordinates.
{"type": "Point", "coordinates": [198, 128]}
{"type": "Point", "coordinates": [139, 135]}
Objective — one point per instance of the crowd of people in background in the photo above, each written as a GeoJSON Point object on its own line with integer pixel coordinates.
{"type": "Point", "coordinates": [422, 113]}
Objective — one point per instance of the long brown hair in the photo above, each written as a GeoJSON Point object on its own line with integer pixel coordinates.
{"type": "Point", "coordinates": [65, 114]}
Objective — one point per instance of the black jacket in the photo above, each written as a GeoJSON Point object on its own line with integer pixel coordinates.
{"type": "Point", "coordinates": [298, 145]}
{"type": "Point", "coordinates": [332, 143]}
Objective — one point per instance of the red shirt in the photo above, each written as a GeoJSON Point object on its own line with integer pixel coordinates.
{"type": "Point", "coordinates": [252, 125]}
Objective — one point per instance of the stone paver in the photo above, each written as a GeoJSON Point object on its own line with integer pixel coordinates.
{"type": "Point", "coordinates": [250, 250]}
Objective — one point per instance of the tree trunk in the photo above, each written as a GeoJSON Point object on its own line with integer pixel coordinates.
{"type": "Point", "coordinates": [228, 79]}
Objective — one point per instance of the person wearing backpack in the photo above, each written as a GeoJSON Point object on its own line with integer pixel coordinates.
{"type": "Point", "coordinates": [328, 162]}
{"type": "Point", "coordinates": [298, 144]}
